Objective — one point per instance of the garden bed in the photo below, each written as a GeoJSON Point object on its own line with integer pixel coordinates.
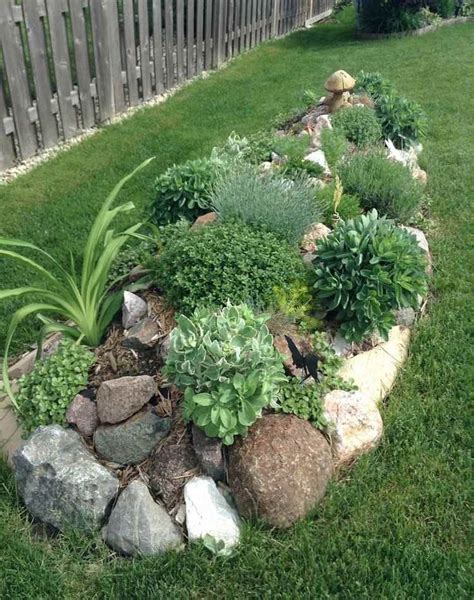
{"type": "Point", "coordinates": [414, 32]}
{"type": "Point", "coordinates": [274, 404]}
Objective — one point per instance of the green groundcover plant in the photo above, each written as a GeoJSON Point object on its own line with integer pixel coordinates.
{"type": "Point", "coordinates": [217, 263]}
{"type": "Point", "coordinates": [359, 125]}
{"type": "Point", "coordinates": [227, 365]}
{"type": "Point", "coordinates": [284, 207]}
{"type": "Point", "coordinates": [46, 392]}
{"type": "Point", "coordinates": [83, 300]}
{"type": "Point", "coordinates": [334, 145]}
{"type": "Point", "coordinates": [365, 270]}
{"type": "Point", "coordinates": [380, 183]}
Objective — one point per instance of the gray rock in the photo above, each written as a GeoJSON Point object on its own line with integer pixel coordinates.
{"type": "Point", "coordinates": [209, 514]}
{"type": "Point", "coordinates": [118, 399]}
{"type": "Point", "coordinates": [163, 349]}
{"type": "Point", "coordinates": [340, 345]}
{"type": "Point", "coordinates": [61, 483]}
{"type": "Point", "coordinates": [82, 413]}
{"type": "Point", "coordinates": [138, 525]}
{"type": "Point", "coordinates": [209, 454]}
{"type": "Point", "coordinates": [169, 468]}
{"type": "Point", "coordinates": [405, 317]}
{"type": "Point", "coordinates": [133, 309]}
{"type": "Point", "coordinates": [143, 336]}
{"type": "Point", "coordinates": [132, 441]}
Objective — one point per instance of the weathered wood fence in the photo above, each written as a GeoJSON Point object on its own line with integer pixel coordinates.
{"type": "Point", "coordinates": [67, 65]}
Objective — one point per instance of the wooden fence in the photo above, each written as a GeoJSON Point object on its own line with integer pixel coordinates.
{"type": "Point", "coordinates": [67, 65]}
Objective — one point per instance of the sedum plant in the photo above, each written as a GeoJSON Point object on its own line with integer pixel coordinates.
{"type": "Point", "coordinates": [80, 306]}
{"type": "Point", "coordinates": [46, 392]}
{"type": "Point", "coordinates": [359, 124]}
{"type": "Point", "coordinates": [366, 269]}
{"type": "Point", "coordinates": [228, 367]}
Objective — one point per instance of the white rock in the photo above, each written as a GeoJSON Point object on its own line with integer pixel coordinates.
{"type": "Point", "coordinates": [324, 121]}
{"type": "Point", "coordinates": [209, 514]}
{"type": "Point", "coordinates": [133, 310]}
{"type": "Point", "coordinates": [374, 372]}
{"type": "Point", "coordinates": [357, 426]}
{"type": "Point", "coordinates": [341, 346]}
{"type": "Point", "coordinates": [422, 242]}
{"type": "Point", "coordinates": [316, 232]}
{"type": "Point", "coordinates": [318, 157]}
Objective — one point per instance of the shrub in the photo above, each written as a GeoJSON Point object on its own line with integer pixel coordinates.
{"type": "Point", "coordinates": [374, 84]}
{"type": "Point", "coordinates": [383, 184]}
{"type": "Point", "coordinates": [286, 208]}
{"type": "Point", "coordinates": [46, 392]}
{"type": "Point", "coordinates": [296, 169]}
{"type": "Point", "coordinates": [183, 191]}
{"type": "Point", "coordinates": [365, 270]}
{"type": "Point", "coordinates": [402, 120]}
{"type": "Point", "coordinates": [295, 302]}
{"type": "Point", "coordinates": [387, 16]}
{"type": "Point", "coordinates": [347, 208]}
{"type": "Point", "coordinates": [334, 145]}
{"type": "Point", "coordinates": [228, 367]}
{"type": "Point", "coordinates": [86, 301]}
{"type": "Point", "coordinates": [232, 261]}
{"type": "Point", "coordinates": [359, 125]}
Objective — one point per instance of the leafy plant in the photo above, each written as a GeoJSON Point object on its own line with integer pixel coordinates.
{"type": "Point", "coordinates": [402, 120]}
{"type": "Point", "coordinates": [286, 208]}
{"type": "Point", "coordinates": [296, 169]}
{"type": "Point", "coordinates": [334, 145]}
{"type": "Point", "coordinates": [228, 367]}
{"type": "Point", "coordinates": [348, 206]}
{"type": "Point", "coordinates": [46, 392]}
{"type": "Point", "coordinates": [359, 125]}
{"type": "Point", "coordinates": [366, 269]}
{"type": "Point", "coordinates": [374, 84]}
{"type": "Point", "coordinates": [233, 261]}
{"type": "Point", "coordinates": [387, 16]}
{"type": "Point", "coordinates": [383, 184]}
{"type": "Point", "coordinates": [296, 303]}
{"type": "Point", "coordinates": [85, 301]}
{"type": "Point", "coordinates": [183, 191]}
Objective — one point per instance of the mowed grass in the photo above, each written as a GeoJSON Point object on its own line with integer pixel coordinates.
{"type": "Point", "coordinates": [396, 525]}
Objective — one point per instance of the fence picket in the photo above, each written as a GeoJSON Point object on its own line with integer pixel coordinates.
{"type": "Point", "coordinates": [190, 70]}
{"type": "Point", "coordinates": [7, 157]}
{"type": "Point", "coordinates": [199, 35]}
{"type": "Point", "coordinates": [158, 46]}
{"type": "Point", "coordinates": [169, 50]}
{"type": "Point", "coordinates": [130, 47]}
{"type": "Point", "coordinates": [180, 40]}
{"type": "Point", "coordinates": [145, 66]}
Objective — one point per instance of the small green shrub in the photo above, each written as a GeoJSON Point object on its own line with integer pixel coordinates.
{"type": "Point", "coordinates": [365, 269]}
{"type": "Point", "coordinates": [285, 208]}
{"type": "Point", "coordinates": [359, 125]}
{"type": "Point", "coordinates": [228, 367]}
{"type": "Point", "coordinates": [216, 263]}
{"type": "Point", "coordinates": [374, 84]}
{"type": "Point", "coordinates": [183, 191]}
{"type": "Point", "coordinates": [296, 303]}
{"type": "Point", "coordinates": [334, 145]}
{"type": "Point", "coordinates": [295, 169]}
{"type": "Point", "coordinates": [45, 393]}
{"type": "Point", "coordinates": [402, 120]}
{"type": "Point", "coordinates": [348, 207]}
{"type": "Point", "coordinates": [383, 184]}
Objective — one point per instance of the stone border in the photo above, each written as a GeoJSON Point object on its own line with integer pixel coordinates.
{"type": "Point", "coordinates": [415, 32]}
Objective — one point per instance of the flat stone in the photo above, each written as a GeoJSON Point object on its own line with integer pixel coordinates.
{"type": "Point", "coordinates": [143, 336]}
{"type": "Point", "coordinates": [140, 526]}
{"type": "Point", "coordinates": [209, 453]}
{"type": "Point", "coordinates": [82, 413]}
{"type": "Point", "coordinates": [169, 469]}
{"type": "Point", "coordinates": [280, 471]}
{"type": "Point", "coordinates": [120, 398]}
{"type": "Point", "coordinates": [340, 345]}
{"type": "Point", "coordinates": [209, 217]}
{"type": "Point", "coordinates": [374, 372]}
{"type": "Point", "coordinates": [209, 514]}
{"type": "Point", "coordinates": [356, 424]}
{"type": "Point", "coordinates": [319, 158]}
{"type": "Point", "coordinates": [134, 309]}
{"type": "Point", "coordinates": [131, 441]}
{"type": "Point", "coordinates": [61, 482]}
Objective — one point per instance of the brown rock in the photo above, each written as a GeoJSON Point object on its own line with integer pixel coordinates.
{"type": "Point", "coordinates": [142, 336]}
{"type": "Point", "coordinates": [209, 453]}
{"type": "Point", "coordinates": [82, 413]}
{"type": "Point", "coordinates": [170, 468]}
{"type": "Point", "coordinates": [317, 232]}
{"type": "Point", "coordinates": [119, 399]}
{"type": "Point", "coordinates": [303, 344]}
{"type": "Point", "coordinates": [280, 471]}
{"type": "Point", "coordinates": [209, 217]}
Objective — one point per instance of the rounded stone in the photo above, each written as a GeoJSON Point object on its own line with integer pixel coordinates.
{"type": "Point", "coordinates": [280, 471]}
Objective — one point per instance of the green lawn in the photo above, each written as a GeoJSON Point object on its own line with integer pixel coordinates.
{"type": "Point", "coordinates": [396, 525]}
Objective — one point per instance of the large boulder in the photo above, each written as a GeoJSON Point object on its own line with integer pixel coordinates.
{"type": "Point", "coordinates": [356, 424]}
{"type": "Point", "coordinates": [138, 525]}
{"type": "Point", "coordinates": [280, 471]}
{"type": "Point", "coordinates": [121, 398]}
{"type": "Point", "coordinates": [209, 514]}
{"type": "Point", "coordinates": [130, 442]}
{"type": "Point", "coordinates": [60, 482]}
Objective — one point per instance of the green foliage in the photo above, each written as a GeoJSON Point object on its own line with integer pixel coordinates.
{"type": "Point", "coordinates": [296, 168]}
{"type": "Point", "coordinates": [373, 83]}
{"type": "Point", "coordinates": [387, 16]}
{"type": "Point", "coordinates": [216, 263]}
{"type": "Point", "coordinates": [183, 191]}
{"type": "Point", "coordinates": [365, 270]}
{"type": "Point", "coordinates": [334, 145]}
{"type": "Point", "coordinates": [228, 367]}
{"type": "Point", "coordinates": [402, 120]}
{"type": "Point", "coordinates": [296, 303]}
{"type": "Point", "coordinates": [46, 392]}
{"type": "Point", "coordinates": [383, 184]}
{"type": "Point", "coordinates": [445, 8]}
{"type": "Point", "coordinates": [86, 302]}
{"type": "Point", "coordinates": [359, 125]}
{"type": "Point", "coordinates": [348, 207]}
{"type": "Point", "coordinates": [285, 208]}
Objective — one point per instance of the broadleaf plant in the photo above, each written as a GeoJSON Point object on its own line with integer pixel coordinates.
{"type": "Point", "coordinates": [79, 307]}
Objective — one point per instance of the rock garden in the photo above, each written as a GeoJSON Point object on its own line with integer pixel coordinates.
{"type": "Point", "coordinates": [225, 357]}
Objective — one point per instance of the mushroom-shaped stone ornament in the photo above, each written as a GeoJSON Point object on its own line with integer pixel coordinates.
{"type": "Point", "coordinates": [339, 83]}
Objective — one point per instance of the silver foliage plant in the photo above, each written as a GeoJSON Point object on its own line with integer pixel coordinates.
{"type": "Point", "coordinates": [287, 208]}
